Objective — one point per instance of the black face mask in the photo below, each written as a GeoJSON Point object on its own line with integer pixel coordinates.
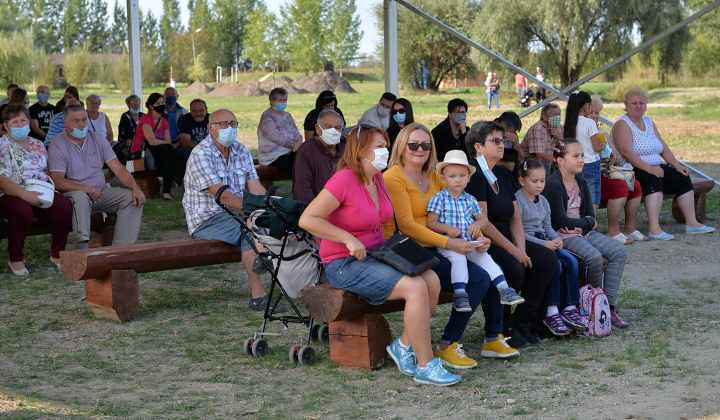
{"type": "Point", "coordinates": [160, 109]}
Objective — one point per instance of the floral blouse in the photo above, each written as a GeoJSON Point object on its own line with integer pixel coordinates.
{"type": "Point", "coordinates": [19, 164]}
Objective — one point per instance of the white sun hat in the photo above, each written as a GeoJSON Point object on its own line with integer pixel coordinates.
{"type": "Point", "coordinates": [454, 157]}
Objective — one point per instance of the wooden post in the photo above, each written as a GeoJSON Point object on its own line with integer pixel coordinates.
{"type": "Point", "coordinates": [115, 296]}
{"type": "Point", "coordinates": [360, 342]}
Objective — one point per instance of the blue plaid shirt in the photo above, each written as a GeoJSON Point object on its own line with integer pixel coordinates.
{"type": "Point", "coordinates": [207, 167]}
{"type": "Point", "coordinates": [456, 212]}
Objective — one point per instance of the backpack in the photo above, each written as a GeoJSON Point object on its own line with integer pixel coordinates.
{"type": "Point", "coordinates": [595, 311]}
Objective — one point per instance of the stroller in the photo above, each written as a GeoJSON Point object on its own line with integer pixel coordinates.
{"type": "Point", "coordinates": [273, 222]}
{"type": "Point", "coordinates": [525, 99]}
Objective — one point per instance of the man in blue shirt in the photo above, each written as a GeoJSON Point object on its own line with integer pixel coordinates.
{"type": "Point", "coordinates": [173, 111]}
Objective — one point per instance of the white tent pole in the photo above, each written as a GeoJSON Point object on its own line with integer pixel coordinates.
{"type": "Point", "coordinates": [391, 52]}
{"type": "Point", "coordinates": [133, 18]}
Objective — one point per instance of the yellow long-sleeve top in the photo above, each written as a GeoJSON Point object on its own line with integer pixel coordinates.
{"type": "Point", "coordinates": [410, 205]}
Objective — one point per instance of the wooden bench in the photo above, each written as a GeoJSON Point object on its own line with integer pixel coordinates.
{"type": "Point", "coordinates": [358, 331]}
{"type": "Point", "coordinates": [110, 273]}
{"type": "Point", "coordinates": [269, 174]}
{"type": "Point", "coordinates": [702, 186]}
{"type": "Point", "coordinates": [102, 228]}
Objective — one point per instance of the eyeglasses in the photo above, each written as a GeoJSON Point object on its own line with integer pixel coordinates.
{"type": "Point", "coordinates": [426, 146]}
{"type": "Point", "coordinates": [459, 112]}
{"type": "Point", "coordinates": [497, 140]}
{"type": "Point", "coordinates": [226, 124]}
{"type": "Point", "coordinates": [398, 111]}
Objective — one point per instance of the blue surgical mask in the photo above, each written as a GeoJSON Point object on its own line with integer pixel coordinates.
{"type": "Point", "coordinates": [399, 118]}
{"type": "Point", "coordinates": [135, 111]}
{"type": "Point", "coordinates": [606, 152]}
{"type": "Point", "coordinates": [170, 100]}
{"type": "Point", "coordinates": [20, 132]}
{"type": "Point", "coordinates": [43, 97]}
{"type": "Point", "coordinates": [227, 136]}
{"type": "Point", "coordinates": [491, 178]}
{"type": "Point", "coordinates": [280, 106]}
{"type": "Point", "coordinates": [458, 118]}
{"type": "Point", "coordinates": [80, 134]}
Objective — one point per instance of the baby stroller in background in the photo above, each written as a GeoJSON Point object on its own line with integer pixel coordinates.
{"type": "Point", "coordinates": [273, 222]}
{"type": "Point", "coordinates": [525, 99]}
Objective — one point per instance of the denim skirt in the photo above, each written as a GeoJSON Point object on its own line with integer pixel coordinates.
{"type": "Point", "coordinates": [368, 278]}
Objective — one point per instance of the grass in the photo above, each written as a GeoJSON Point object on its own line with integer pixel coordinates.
{"type": "Point", "coordinates": [182, 356]}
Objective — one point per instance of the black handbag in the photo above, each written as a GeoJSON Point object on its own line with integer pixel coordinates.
{"type": "Point", "coordinates": [404, 254]}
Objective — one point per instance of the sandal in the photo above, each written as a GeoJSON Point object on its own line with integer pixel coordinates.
{"type": "Point", "coordinates": [622, 239]}
{"type": "Point", "coordinates": [637, 236]}
{"type": "Point", "coordinates": [22, 272]}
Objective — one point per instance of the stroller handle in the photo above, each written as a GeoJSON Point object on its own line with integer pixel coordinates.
{"type": "Point", "coordinates": [269, 193]}
{"type": "Point", "coordinates": [222, 189]}
{"type": "Point", "coordinates": [219, 193]}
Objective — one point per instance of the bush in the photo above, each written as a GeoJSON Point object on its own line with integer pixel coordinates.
{"type": "Point", "coordinates": [80, 68]}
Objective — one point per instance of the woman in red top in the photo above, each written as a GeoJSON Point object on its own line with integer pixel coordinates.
{"type": "Point", "coordinates": [154, 129]}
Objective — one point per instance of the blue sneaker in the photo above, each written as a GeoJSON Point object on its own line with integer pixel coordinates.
{"type": "Point", "coordinates": [508, 296]}
{"type": "Point", "coordinates": [701, 229]}
{"type": "Point", "coordinates": [664, 236]}
{"type": "Point", "coordinates": [435, 374]}
{"type": "Point", "coordinates": [461, 302]}
{"type": "Point", "coordinates": [404, 357]}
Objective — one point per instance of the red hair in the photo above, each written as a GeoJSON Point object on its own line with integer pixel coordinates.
{"type": "Point", "coordinates": [354, 148]}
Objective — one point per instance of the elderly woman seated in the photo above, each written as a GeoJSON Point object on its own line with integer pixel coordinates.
{"type": "Point", "coordinates": [22, 159]}
{"type": "Point", "coordinates": [278, 136]}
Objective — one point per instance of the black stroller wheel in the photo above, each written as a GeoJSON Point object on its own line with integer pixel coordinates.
{"type": "Point", "coordinates": [306, 355]}
{"type": "Point", "coordinates": [260, 348]}
{"type": "Point", "coordinates": [294, 350]}
{"type": "Point", "coordinates": [314, 332]}
{"type": "Point", "coordinates": [247, 346]}
{"type": "Point", "coordinates": [324, 333]}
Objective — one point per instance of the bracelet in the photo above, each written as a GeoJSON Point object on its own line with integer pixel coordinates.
{"type": "Point", "coordinates": [136, 186]}
{"type": "Point", "coordinates": [93, 190]}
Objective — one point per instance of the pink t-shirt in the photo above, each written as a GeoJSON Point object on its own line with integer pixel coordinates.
{"type": "Point", "coordinates": [357, 213]}
{"type": "Point", "coordinates": [573, 209]}
{"type": "Point", "coordinates": [140, 134]}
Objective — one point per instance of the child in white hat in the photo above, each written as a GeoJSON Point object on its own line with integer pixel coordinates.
{"type": "Point", "coordinates": [455, 213]}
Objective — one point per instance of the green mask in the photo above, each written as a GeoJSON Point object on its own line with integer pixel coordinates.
{"type": "Point", "coordinates": [554, 121]}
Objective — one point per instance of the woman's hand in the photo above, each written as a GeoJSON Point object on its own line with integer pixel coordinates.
{"type": "Point", "coordinates": [461, 246]}
{"type": "Point", "coordinates": [296, 145]}
{"type": "Point", "coordinates": [484, 244]}
{"type": "Point", "coordinates": [32, 197]}
{"type": "Point", "coordinates": [657, 171]}
{"type": "Point", "coordinates": [522, 257]}
{"type": "Point", "coordinates": [683, 170]}
{"type": "Point", "coordinates": [356, 248]}
{"type": "Point", "coordinates": [569, 231]}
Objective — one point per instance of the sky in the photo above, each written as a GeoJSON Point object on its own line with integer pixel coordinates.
{"type": "Point", "coordinates": [365, 7]}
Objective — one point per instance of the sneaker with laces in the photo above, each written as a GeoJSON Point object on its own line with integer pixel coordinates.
{"type": "Point", "coordinates": [461, 302]}
{"type": "Point", "coordinates": [404, 357]}
{"type": "Point", "coordinates": [435, 374]}
{"type": "Point", "coordinates": [258, 267]}
{"type": "Point", "coordinates": [258, 304]}
{"type": "Point", "coordinates": [556, 325]}
{"type": "Point", "coordinates": [514, 338]}
{"type": "Point", "coordinates": [616, 321]}
{"type": "Point", "coordinates": [525, 329]}
{"type": "Point", "coordinates": [508, 296]}
{"type": "Point", "coordinates": [454, 356]}
{"type": "Point", "coordinates": [572, 318]}
{"type": "Point", "coordinates": [498, 349]}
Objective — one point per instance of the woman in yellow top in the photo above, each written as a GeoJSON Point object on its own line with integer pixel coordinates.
{"type": "Point", "coordinates": [411, 181]}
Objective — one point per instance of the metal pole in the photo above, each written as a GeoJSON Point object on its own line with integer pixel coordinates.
{"type": "Point", "coordinates": [134, 47]}
{"type": "Point", "coordinates": [391, 53]}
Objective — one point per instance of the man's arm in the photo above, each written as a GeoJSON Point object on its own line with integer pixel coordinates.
{"type": "Point", "coordinates": [186, 140]}
{"type": "Point", "coordinates": [127, 179]}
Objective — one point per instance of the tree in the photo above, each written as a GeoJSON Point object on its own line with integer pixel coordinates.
{"type": "Point", "coordinates": [202, 68]}
{"type": "Point", "coordinates": [566, 32]}
{"type": "Point", "coordinates": [80, 67]}
{"type": "Point", "coordinates": [118, 31]}
{"type": "Point", "coordinates": [343, 34]}
{"type": "Point", "coordinates": [150, 32]}
{"type": "Point", "coordinates": [230, 27]}
{"type": "Point", "coordinates": [200, 15]}
{"type": "Point", "coordinates": [304, 19]}
{"type": "Point", "coordinates": [426, 53]}
{"type": "Point", "coordinates": [261, 36]}
{"type": "Point", "coordinates": [170, 23]}
{"type": "Point", "coordinates": [15, 66]}
{"type": "Point", "coordinates": [98, 26]}
{"type": "Point", "coordinates": [75, 28]}
{"type": "Point", "coordinates": [703, 53]}
{"type": "Point", "coordinates": [48, 33]}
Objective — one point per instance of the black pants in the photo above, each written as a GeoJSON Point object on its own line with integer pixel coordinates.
{"type": "Point", "coordinates": [285, 163]}
{"type": "Point", "coordinates": [165, 159]}
{"type": "Point", "coordinates": [531, 282]}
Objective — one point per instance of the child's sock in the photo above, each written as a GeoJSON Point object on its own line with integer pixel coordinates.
{"type": "Point", "coordinates": [82, 245]}
{"type": "Point", "coordinates": [459, 287]}
{"type": "Point", "coordinates": [551, 310]}
{"type": "Point", "coordinates": [500, 282]}
{"type": "Point", "coordinates": [400, 343]}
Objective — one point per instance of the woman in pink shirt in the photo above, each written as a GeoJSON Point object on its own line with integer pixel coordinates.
{"type": "Point", "coordinates": [154, 129]}
{"type": "Point", "coordinates": [348, 215]}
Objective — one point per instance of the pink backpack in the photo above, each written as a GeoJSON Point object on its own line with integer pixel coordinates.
{"type": "Point", "coordinates": [595, 311]}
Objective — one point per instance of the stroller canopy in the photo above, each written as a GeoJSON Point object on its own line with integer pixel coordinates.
{"type": "Point", "coordinates": [281, 215]}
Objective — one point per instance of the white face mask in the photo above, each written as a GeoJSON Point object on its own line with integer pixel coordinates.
{"type": "Point", "coordinates": [383, 112]}
{"type": "Point", "coordinates": [330, 136]}
{"type": "Point", "coordinates": [381, 158]}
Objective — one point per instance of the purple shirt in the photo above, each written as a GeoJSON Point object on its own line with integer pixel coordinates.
{"type": "Point", "coordinates": [314, 165]}
{"type": "Point", "coordinates": [81, 164]}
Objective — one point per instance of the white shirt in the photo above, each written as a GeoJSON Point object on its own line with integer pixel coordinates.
{"type": "Point", "coordinates": [585, 129]}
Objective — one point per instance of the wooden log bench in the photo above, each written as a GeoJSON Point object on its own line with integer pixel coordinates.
{"type": "Point", "coordinates": [358, 331]}
{"type": "Point", "coordinates": [269, 174]}
{"type": "Point", "coordinates": [702, 186]}
{"type": "Point", "coordinates": [102, 228]}
{"type": "Point", "coordinates": [111, 285]}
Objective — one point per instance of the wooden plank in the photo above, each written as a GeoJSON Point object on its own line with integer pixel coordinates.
{"type": "Point", "coordinates": [115, 296]}
{"type": "Point", "coordinates": [361, 342]}
{"type": "Point", "coordinates": [83, 264]}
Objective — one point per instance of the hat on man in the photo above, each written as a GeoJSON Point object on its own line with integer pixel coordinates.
{"type": "Point", "coordinates": [454, 157]}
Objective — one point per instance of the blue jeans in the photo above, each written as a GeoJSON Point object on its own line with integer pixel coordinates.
{"type": "Point", "coordinates": [564, 290]}
{"type": "Point", "coordinates": [490, 96]}
{"type": "Point", "coordinates": [479, 289]}
{"type": "Point", "coordinates": [222, 227]}
{"type": "Point", "coordinates": [591, 173]}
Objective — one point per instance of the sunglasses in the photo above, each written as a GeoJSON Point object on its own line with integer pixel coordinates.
{"type": "Point", "coordinates": [398, 111]}
{"type": "Point", "coordinates": [497, 140]}
{"type": "Point", "coordinates": [414, 146]}
{"type": "Point", "coordinates": [360, 127]}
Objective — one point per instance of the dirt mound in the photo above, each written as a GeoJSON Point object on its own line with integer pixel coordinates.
{"type": "Point", "coordinates": [283, 82]}
{"type": "Point", "coordinates": [323, 81]}
{"type": "Point", "coordinates": [238, 89]}
{"type": "Point", "coordinates": [197, 88]}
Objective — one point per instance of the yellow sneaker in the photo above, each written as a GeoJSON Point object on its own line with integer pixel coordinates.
{"type": "Point", "coordinates": [498, 349]}
{"type": "Point", "coordinates": [454, 356]}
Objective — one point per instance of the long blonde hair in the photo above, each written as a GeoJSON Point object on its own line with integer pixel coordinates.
{"type": "Point", "coordinates": [401, 142]}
